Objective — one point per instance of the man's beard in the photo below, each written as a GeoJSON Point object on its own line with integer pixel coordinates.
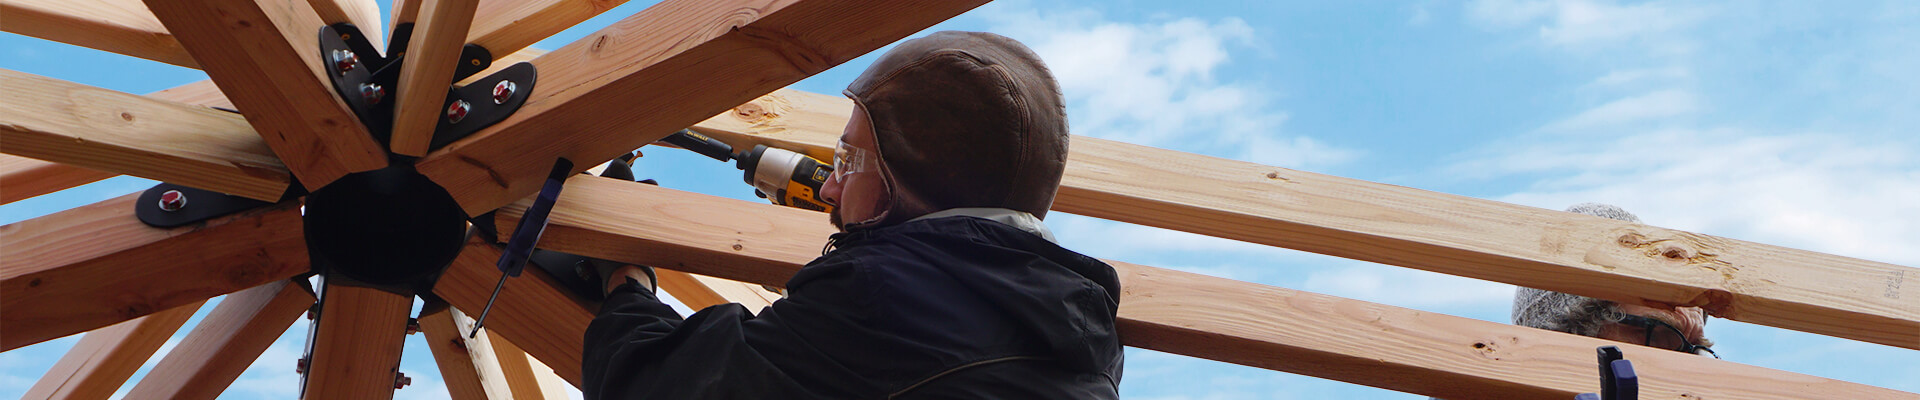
{"type": "Point", "coordinates": [833, 217]}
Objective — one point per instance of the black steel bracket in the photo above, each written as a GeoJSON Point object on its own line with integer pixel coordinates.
{"type": "Point", "coordinates": [168, 205]}
{"type": "Point", "coordinates": [367, 81]}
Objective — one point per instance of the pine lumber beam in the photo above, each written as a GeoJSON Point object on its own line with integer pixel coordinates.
{"type": "Point", "coordinates": [1632, 263]}
{"type": "Point", "coordinates": [221, 347]}
{"type": "Point", "coordinates": [115, 26]}
{"type": "Point", "coordinates": [521, 378]}
{"type": "Point", "coordinates": [1183, 313]}
{"type": "Point", "coordinates": [432, 53]}
{"type": "Point", "coordinates": [467, 365]}
{"type": "Point", "coordinates": [660, 70]}
{"type": "Point", "coordinates": [90, 127]}
{"type": "Point", "coordinates": [356, 349]}
{"type": "Point", "coordinates": [105, 358]}
{"type": "Point", "coordinates": [264, 55]}
{"type": "Point", "coordinates": [363, 14]}
{"type": "Point", "coordinates": [701, 291]}
{"type": "Point", "coordinates": [507, 26]}
{"type": "Point", "coordinates": [97, 265]}
{"type": "Point", "coordinates": [541, 317]}
{"type": "Point", "coordinates": [22, 178]}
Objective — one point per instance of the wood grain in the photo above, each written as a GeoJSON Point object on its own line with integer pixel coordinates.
{"type": "Point", "coordinates": [661, 70]}
{"type": "Point", "coordinates": [363, 14]}
{"type": "Point", "coordinates": [1631, 263]}
{"type": "Point", "coordinates": [22, 178]}
{"type": "Point", "coordinates": [356, 350]}
{"type": "Point", "coordinates": [432, 53]}
{"type": "Point", "coordinates": [507, 26]}
{"type": "Point", "coordinates": [89, 127]}
{"type": "Point", "coordinates": [1184, 313]}
{"type": "Point", "coordinates": [519, 372]}
{"type": "Point", "coordinates": [116, 26]}
{"type": "Point", "coordinates": [539, 316]}
{"type": "Point", "coordinates": [466, 365]}
{"type": "Point", "coordinates": [262, 55]}
{"type": "Point", "coordinates": [69, 272]}
{"type": "Point", "coordinates": [700, 291]}
{"type": "Point", "coordinates": [104, 359]}
{"type": "Point", "coordinates": [223, 345]}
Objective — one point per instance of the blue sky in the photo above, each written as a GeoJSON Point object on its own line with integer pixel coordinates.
{"type": "Point", "coordinates": [1787, 123]}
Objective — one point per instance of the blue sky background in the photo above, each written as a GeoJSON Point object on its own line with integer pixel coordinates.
{"type": "Point", "coordinates": [1787, 123]}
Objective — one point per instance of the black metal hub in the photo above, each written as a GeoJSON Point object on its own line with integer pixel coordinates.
{"type": "Point", "coordinates": [390, 227]}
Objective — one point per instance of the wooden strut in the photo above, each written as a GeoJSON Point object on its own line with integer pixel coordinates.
{"type": "Point", "coordinates": [1183, 313]}
{"type": "Point", "coordinates": [1457, 235]}
{"type": "Point", "coordinates": [104, 359]}
{"type": "Point", "coordinates": [214, 354]}
{"type": "Point", "coordinates": [467, 365]}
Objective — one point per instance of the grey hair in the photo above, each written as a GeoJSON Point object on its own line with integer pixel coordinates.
{"type": "Point", "coordinates": [1556, 311]}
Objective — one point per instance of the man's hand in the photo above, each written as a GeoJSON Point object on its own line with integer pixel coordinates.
{"type": "Point", "coordinates": [620, 275]}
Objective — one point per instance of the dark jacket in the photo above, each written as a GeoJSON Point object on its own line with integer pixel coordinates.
{"type": "Point", "coordinates": [954, 307]}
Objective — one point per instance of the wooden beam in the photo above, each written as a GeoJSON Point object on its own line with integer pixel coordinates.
{"type": "Point", "coordinates": [404, 12]}
{"type": "Point", "coordinates": [660, 70]}
{"type": "Point", "coordinates": [85, 126]}
{"type": "Point", "coordinates": [539, 316]}
{"type": "Point", "coordinates": [22, 178]}
{"type": "Point", "coordinates": [263, 54]}
{"type": "Point", "coordinates": [363, 14]}
{"type": "Point", "coordinates": [105, 358]}
{"type": "Point", "coordinates": [507, 26]}
{"type": "Point", "coordinates": [432, 53]}
{"type": "Point", "coordinates": [519, 372]}
{"type": "Point", "coordinates": [97, 265]}
{"type": "Point", "coordinates": [466, 365]}
{"type": "Point", "coordinates": [1182, 313]}
{"type": "Point", "coordinates": [356, 350]}
{"type": "Point", "coordinates": [701, 291]}
{"type": "Point", "coordinates": [1458, 235]}
{"type": "Point", "coordinates": [214, 354]}
{"type": "Point", "coordinates": [116, 26]}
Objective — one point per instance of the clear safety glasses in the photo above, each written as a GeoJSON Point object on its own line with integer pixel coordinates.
{"type": "Point", "coordinates": [849, 160]}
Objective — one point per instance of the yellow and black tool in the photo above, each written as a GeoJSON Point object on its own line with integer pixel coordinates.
{"type": "Point", "coordinates": [783, 176]}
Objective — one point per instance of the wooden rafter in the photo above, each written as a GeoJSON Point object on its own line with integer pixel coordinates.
{"type": "Point", "coordinates": [506, 26]}
{"type": "Point", "coordinates": [659, 70]}
{"type": "Point", "coordinates": [1745, 281]}
{"type": "Point", "coordinates": [263, 55]}
{"type": "Point", "coordinates": [356, 350]}
{"type": "Point", "coordinates": [214, 354]}
{"type": "Point", "coordinates": [523, 380]}
{"type": "Point", "coordinates": [22, 178]}
{"type": "Point", "coordinates": [118, 26]}
{"type": "Point", "coordinates": [97, 265]}
{"type": "Point", "coordinates": [85, 126]}
{"type": "Point", "coordinates": [1172, 311]}
{"type": "Point", "coordinates": [533, 310]}
{"type": "Point", "coordinates": [466, 365]}
{"type": "Point", "coordinates": [432, 53]}
{"type": "Point", "coordinates": [364, 14]}
{"type": "Point", "coordinates": [701, 291]}
{"type": "Point", "coordinates": [104, 359]}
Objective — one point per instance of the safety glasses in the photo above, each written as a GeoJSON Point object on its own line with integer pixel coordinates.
{"type": "Point", "coordinates": [1650, 324]}
{"type": "Point", "coordinates": [849, 160]}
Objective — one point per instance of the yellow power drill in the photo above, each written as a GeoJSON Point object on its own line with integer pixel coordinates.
{"type": "Point", "coordinates": [783, 176]}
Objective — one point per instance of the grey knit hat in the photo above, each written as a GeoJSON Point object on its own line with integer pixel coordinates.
{"type": "Point", "coordinates": [1579, 315]}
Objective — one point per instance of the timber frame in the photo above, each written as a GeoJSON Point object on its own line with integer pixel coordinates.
{"type": "Point", "coordinates": [719, 66]}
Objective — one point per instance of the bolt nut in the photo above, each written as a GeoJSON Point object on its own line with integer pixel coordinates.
{"type": "Point", "coordinates": [503, 91]}
{"type": "Point", "coordinates": [372, 93]}
{"type": "Point", "coordinates": [301, 367]}
{"type": "Point", "coordinates": [345, 61]}
{"type": "Point", "coordinates": [458, 111]}
{"type": "Point", "coordinates": [172, 200]}
{"type": "Point", "coordinates": [313, 311]}
{"type": "Point", "coordinates": [413, 326]}
{"type": "Point", "coordinates": [401, 380]}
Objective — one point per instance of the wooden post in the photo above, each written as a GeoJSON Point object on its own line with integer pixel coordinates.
{"type": "Point", "coordinates": [432, 53]}
{"type": "Point", "coordinates": [356, 350]}
{"type": "Point", "coordinates": [219, 348]}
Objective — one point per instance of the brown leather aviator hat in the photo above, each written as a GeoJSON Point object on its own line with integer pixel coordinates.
{"type": "Point", "coordinates": [965, 119]}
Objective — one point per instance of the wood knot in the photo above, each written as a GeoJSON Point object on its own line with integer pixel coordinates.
{"type": "Point", "coordinates": [1632, 239]}
{"type": "Point", "coordinates": [34, 283]}
{"type": "Point", "coordinates": [1676, 252]}
{"type": "Point", "coordinates": [753, 112]}
{"type": "Point", "coordinates": [738, 247]}
{"type": "Point", "coordinates": [126, 116]}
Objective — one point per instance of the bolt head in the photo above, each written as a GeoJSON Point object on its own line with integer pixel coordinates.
{"type": "Point", "coordinates": [301, 366]}
{"type": "Point", "coordinates": [413, 326]}
{"type": "Point", "coordinates": [372, 93]}
{"type": "Point", "coordinates": [503, 91]}
{"type": "Point", "coordinates": [458, 111]}
{"type": "Point", "coordinates": [172, 200]}
{"type": "Point", "coordinates": [401, 380]}
{"type": "Point", "coordinates": [345, 61]}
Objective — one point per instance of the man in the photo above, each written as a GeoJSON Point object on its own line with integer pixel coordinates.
{"type": "Point", "coordinates": [943, 282]}
{"type": "Point", "coordinates": [1679, 329]}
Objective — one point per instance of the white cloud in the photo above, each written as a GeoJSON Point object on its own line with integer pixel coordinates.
{"type": "Point", "coordinates": [1657, 104]}
{"type": "Point", "coordinates": [1160, 84]}
{"type": "Point", "coordinates": [1624, 77]}
{"type": "Point", "coordinates": [1586, 23]}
